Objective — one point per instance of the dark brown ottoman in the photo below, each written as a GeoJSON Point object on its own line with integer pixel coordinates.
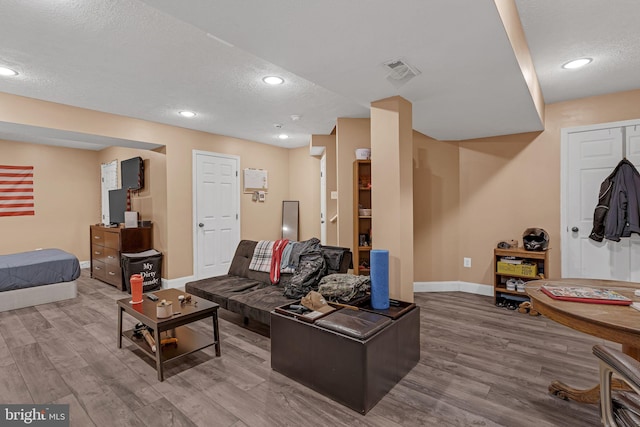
{"type": "Point", "coordinates": [352, 357]}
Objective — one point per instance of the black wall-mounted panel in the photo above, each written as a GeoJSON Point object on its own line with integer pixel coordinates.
{"type": "Point", "coordinates": [132, 173]}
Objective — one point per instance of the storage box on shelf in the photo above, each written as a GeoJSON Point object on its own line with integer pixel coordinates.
{"type": "Point", "coordinates": [517, 263]}
{"type": "Point", "coordinates": [525, 269]}
{"type": "Point", "coordinates": [362, 216]}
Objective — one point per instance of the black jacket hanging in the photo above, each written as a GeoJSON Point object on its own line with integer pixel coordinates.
{"type": "Point", "coordinates": [618, 211]}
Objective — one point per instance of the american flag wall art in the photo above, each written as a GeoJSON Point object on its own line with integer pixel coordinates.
{"type": "Point", "coordinates": [16, 190]}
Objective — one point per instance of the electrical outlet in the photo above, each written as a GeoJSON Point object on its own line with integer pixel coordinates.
{"type": "Point", "coordinates": [467, 262]}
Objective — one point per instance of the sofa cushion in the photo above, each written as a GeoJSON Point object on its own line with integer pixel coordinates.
{"type": "Point", "coordinates": [242, 258]}
{"type": "Point", "coordinates": [258, 303]}
{"type": "Point", "coordinates": [249, 292]}
{"type": "Point", "coordinates": [333, 258]}
{"type": "Point", "coordinates": [354, 323]}
{"type": "Point", "coordinates": [339, 260]}
{"type": "Point", "coordinates": [219, 289]}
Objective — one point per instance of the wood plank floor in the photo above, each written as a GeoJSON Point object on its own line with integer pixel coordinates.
{"type": "Point", "coordinates": [480, 366]}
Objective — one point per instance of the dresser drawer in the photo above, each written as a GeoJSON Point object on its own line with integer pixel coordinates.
{"type": "Point", "coordinates": [112, 257]}
{"type": "Point", "coordinates": [98, 270]}
{"type": "Point", "coordinates": [97, 237]}
{"type": "Point", "coordinates": [113, 275]}
{"type": "Point", "coordinates": [112, 239]}
{"type": "Point", "coordinates": [97, 252]}
{"type": "Point", "coordinates": [107, 244]}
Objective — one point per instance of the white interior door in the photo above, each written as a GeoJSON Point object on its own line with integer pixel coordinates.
{"type": "Point", "coordinates": [632, 138]}
{"type": "Point", "coordinates": [108, 181]}
{"type": "Point", "coordinates": [216, 212]}
{"type": "Point", "coordinates": [589, 157]}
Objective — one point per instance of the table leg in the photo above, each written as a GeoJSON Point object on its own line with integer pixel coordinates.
{"type": "Point", "coordinates": [591, 395]}
{"type": "Point", "coordinates": [159, 364]}
{"type": "Point", "coordinates": [120, 311]}
{"type": "Point", "coordinates": [216, 332]}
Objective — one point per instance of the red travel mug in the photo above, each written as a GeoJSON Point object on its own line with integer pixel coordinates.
{"type": "Point", "coordinates": [136, 289]}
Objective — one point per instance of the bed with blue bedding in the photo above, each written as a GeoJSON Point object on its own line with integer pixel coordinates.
{"type": "Point", "coordinates": [37, 277]}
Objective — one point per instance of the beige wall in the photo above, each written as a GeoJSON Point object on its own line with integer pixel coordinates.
{"type": "Point", "coordinates": [436, 209]}
{"type": "Point", "coordinates": [329, 144]}
{"type": "Point", "coordinates": [350, 134]}
{"type": "Point", "coordinates": [500, 196]}
{"type": "Point", "coordinates": [151, 201]}
{"type": "Point", "coordinates": [66, 196]}
{"type": "Point", "coordinates": [510, 183]}
{"type": "Point", "coordinates": [392, 190]}
{"type": "Point", "coordinates": [503, 184]}
{"type": "Point", "coordinates": [508, 12]}
{"type": "Point", "coordinates": [304, 186]}
{"type": "Point", "coordinates": [470, 195]}
{"type": "Point", "coordinates": [258, 220]}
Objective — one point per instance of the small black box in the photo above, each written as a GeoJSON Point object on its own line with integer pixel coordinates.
{"type": "Point", "coordinates": [148, 264]}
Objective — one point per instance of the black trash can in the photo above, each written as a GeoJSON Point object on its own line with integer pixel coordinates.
{"type": "Point", "coordinates": [148, 264]}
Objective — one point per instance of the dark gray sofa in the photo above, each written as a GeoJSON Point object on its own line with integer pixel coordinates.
{"type": "Point", "coordinates": [250, 293]}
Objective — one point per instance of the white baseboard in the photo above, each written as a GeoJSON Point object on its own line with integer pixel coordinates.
{"type": "Point", "coordinates": [166, 283]}
{"type": "Point", "coordinates": [177, 283]}
{"type": "Point", "coordinates": [453, 286]}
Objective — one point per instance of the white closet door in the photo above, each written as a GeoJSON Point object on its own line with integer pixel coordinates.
{"type": "Point", "coordinates": [632, 145]}
{"type": "Point", "coordinates": [592, 156]}
{"type": "Point", "coordinates": [632, 148]}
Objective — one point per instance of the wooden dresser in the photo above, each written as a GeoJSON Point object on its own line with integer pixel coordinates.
{"type": "Point", "coordinates": [107, 244]}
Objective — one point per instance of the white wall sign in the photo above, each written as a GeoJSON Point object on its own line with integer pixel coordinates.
{"type": "Point", "coordinates": [255, 179]}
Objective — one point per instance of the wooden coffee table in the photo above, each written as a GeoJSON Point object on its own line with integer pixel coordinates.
{"type": "Point", "coordinates": [615, 323]}
{"type": "Point", "coordinates": [189, 341]}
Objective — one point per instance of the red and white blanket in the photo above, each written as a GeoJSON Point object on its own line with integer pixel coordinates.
{"type": "Point", "coordinates": [267, 257]}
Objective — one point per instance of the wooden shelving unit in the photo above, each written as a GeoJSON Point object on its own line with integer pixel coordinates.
{"type": "Point", "coordinates": [540, 259]}
{"type": "Point", "coordinates": [362, 236]}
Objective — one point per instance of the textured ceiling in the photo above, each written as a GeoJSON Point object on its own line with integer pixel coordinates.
{"type": "Point", "coordinates": [606, 31]}
{"type": "Point", "coordinates": [149, 59]}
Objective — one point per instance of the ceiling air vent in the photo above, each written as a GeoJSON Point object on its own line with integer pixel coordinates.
{"type": "Point", "coordinates": [399, 72]}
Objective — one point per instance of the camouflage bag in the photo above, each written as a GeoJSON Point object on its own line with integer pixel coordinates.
{"type": "Point", "coordinates": [310, 270]}
{"type": "Point", "coordinates": [344, 287]}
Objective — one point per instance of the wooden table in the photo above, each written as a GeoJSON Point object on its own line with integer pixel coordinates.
{"type": "Point", "coordinates": [189, 341]}
{"type": "Point", "coordinates": [615, 323]}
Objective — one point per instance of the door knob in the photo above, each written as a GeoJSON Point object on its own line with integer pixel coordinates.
{"type": "Point", "coordinates": [575, 229]}
{"type": "Point", "coordinates": [201, 225]}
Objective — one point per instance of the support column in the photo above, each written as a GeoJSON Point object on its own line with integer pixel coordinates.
{"type": "Point", "coordinates": [392, 190]}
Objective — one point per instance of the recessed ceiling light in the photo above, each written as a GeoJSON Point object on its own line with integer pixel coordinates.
{"type": "Point", "coordinates": [273, 80]}
{"type": "Point", "coordinates": [577, 63]}
{"type": "Point", "coordinates": [188, 114]}
{"type": "Point", "coordinates": [283, 136]}
{"type": "Point", "coordinates": [4, 71]}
